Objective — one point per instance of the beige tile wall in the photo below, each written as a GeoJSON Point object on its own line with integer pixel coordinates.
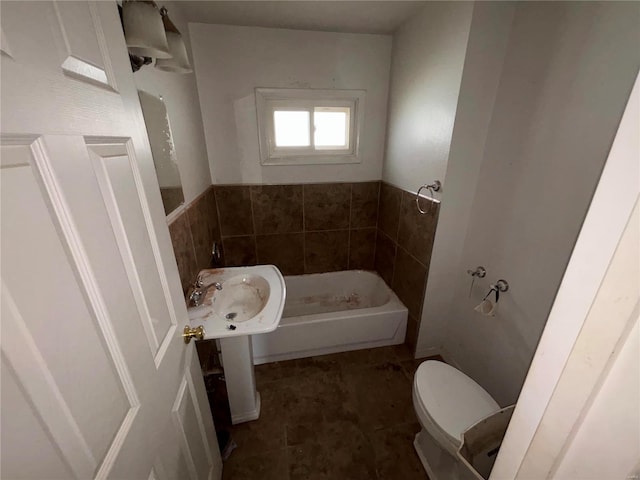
{"type": "Point", "coordinates": [300, 228]}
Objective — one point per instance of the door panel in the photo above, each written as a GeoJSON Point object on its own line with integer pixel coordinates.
{"type": "Point", "coordinates": [21, 448]}
{"type": "Point", "coordinates": [63, 40]}
{"type": "Point", "coordinates": [56, 309]}
{"type": "Point", "coordinates": [205, 434]}
{"type": "Point", "coordinates": [85, 56]}
{"type": "Point", "coordinates": [171, 462]}
{"type": "Point", "coordinates": [122, 193]}
{"type": "Point", "coordinates": [64, 36]}
{"type": "Point", "coordinates": [189, 425]}
{"type": "Point", "coordinates": [92, 307]}
{"type": "Point", "coordinates": [54, 305]}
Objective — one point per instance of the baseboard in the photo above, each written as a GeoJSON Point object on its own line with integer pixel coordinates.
{"type": "Point", "coordinates": [432, 351]}
{"type": "Point", "coordinates": [280, 357]}
{"type": "Point", "coordinates": [428, 352]}
{"type": "Point", "coordinates": [247, 416]}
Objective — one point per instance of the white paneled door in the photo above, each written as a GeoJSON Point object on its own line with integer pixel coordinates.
{"type": "Point", "coordinates": [96, 380]}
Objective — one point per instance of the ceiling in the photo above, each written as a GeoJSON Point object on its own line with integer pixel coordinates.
{"type": "Point", "coordinates": [331, 16]}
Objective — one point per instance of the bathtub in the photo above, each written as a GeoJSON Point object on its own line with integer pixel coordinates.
{"type": "Point", "coordinates": [333, 312]}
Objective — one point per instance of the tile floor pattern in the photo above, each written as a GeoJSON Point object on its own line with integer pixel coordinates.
{"type": "Point", "coordinates": [345, 416]}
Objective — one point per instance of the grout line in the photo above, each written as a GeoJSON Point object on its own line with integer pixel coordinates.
{"type": "Point", "coordinates": [243, 235]}
{"type": "Point", "coordinates": [215, 199]}
{"type": "Point", "coordinates": [395, 242]}
{"type": "Point", "coordinates": [297, 232]}
{"type": "Point", "coordinates": [395, 259]}
{"type": "Point", "coordinates": [375, 242]}
{"type": "Point", "coordinates": [399, 215]}
{"type": "Point", "coordinates": [304, 235]}
{"type": "Point", "coordinates": [349, 226]}
{"type": "Point", "coordinates": [193, 246]}
{"type": "Point", "coordinates": [328, 230]}
{"type": "Point", "coordinates": [253, 224]}
{"type": "Point", "coordinates": [286, 447]}
{"type": "Point", "coordinates": [413, 257]}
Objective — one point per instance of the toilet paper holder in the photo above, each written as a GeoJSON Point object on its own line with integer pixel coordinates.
{"type": "Point", "coordinates": [500, 286]}
{"type": "Point", "coordinates": [479, 272]}
{"type": "Point", "coordinates": [487, 307]}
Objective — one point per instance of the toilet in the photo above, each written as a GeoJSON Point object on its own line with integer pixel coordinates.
{"type": "Point", "coordinates": [447, 403]}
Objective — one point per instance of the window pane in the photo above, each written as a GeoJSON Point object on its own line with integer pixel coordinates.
{"type": "Point", "coordinates": [331, 129]}
{"type": "Point", "coordinates": [291, 128]}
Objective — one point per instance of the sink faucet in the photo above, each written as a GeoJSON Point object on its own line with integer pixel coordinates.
{"type": "Point", "coordinates": [199, 291]}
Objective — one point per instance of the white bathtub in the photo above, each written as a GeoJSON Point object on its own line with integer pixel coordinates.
{"type": "Point", "coordinates": [333, 312]}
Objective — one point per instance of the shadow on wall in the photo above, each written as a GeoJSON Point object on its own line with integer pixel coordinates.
{"type": "Point", "coordinates": [547, 138]}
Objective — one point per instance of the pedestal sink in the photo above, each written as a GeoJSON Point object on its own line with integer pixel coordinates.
{"type": "Point", "coordinates": [249, 302]}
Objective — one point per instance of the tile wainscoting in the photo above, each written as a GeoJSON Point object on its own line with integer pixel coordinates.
{"type": "Point", "coordinates": [312, 228]}
{"type": "Point", "coordinates": [300, 228]}
{"type": "Point", "coordinates": [404, 242]}
{"type": "Point", "coordinates": [192, 235]}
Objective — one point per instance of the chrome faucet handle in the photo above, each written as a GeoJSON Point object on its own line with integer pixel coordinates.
{"type": "Point", "coordinates": [198, 291]}
{"type": "Point", "coordinates": [194, 297]}
{"type": "Point", "coordinates": [199, 281]}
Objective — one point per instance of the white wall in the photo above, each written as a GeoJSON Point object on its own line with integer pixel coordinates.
{"type": "Point", "coordinates": [581, 376]}
{"type": "Point", "coordinates": [607, 442]}
{"type": "Point", "coordinates": [181, 99]}
{"type": "Point", "coordinates": [231, 61]}
{"type": "Point", "coordinates": [567, 74]}
{"type": "Point", "coordinates": [427, 60]}
{"type": "Point", "coordinates": [487, 45]}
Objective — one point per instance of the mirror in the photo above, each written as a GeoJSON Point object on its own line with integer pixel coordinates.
{"type": "Point", "coordinates": [162, 149]}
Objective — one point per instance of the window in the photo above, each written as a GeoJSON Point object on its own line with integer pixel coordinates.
{"type": "Point", "coordinates": [302, 127]}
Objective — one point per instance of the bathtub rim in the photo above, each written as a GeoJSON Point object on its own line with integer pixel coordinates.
{"type": "Point", "coordinates": [392, 301]}
{"type": "Point", "coordinates": [393, 308]}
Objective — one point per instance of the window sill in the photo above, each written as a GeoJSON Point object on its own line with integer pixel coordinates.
{"type": "Point", "coordinates": [311, 160]}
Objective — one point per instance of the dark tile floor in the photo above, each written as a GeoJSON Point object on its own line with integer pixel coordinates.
{"type": "Point", "coordinates": [345, 416]}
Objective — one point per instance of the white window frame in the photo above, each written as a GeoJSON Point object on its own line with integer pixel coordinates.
{"type": "Point", "coordinates": [270, 99]}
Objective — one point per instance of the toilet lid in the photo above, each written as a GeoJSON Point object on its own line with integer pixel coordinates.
{"type": "Point", "coordinates": [451, 399]}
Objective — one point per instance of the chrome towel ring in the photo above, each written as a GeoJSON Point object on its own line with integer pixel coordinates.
{"type": "Point", "coordinates": [436, 186]}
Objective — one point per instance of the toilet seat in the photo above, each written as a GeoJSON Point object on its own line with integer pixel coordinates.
{"type": "Point", "coordinates": [448, 402]}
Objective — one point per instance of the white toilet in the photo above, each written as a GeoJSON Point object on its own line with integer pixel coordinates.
{"type": "Point", "coordinates": [447, 402]}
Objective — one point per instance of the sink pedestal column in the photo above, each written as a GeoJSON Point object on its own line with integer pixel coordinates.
{"type": "Point", "coordinates": [237, 360]}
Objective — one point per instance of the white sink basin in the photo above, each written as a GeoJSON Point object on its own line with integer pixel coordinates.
{"type": "Point", "coordinates": [241, 298]}
{"type": "Point", "coordinates": [250, 302]}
